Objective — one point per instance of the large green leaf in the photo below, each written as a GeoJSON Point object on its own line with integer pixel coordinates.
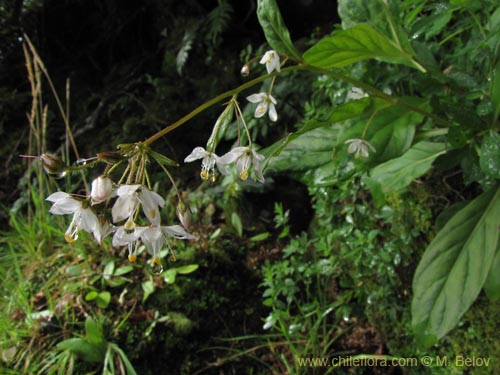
{"type": "Point", "coordinates": [398, 173]}
{"type": "Point", "coordinates": [318, 151]}
{"type": "Point", "coordinates": [492, 283]}
{"type": "Point", "coordinates": [358, 43]}
{"type": "Point", "coordinates": [274, 28]}
{"type": "Point", "coordinates": [390, 130]}
{"type": "Point", "coordinates": [454, 267]}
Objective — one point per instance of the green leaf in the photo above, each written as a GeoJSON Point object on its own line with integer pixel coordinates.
{"type": "Point", "coordinates": [109, 269]}
{"type": "Point", "coordinates": [93, 331]}
{"type": "Point", "coordinates": [170, 275]}
{"type": "Point", "coordinates": [92, 295]}
{"type": "Point", "coordinates": [148, 287]}
{"type": "Point", "coordinates": [87, 351]}
{"type": "Point", "coordinates": [220, 127]}
{"type": "Point", "coordinates": [432, 24]}
{"type": "Point", "coordinates": [454, 267]}
{"type": "Point", "coordinates": [489, 159]}
{"type": "Point", "coordinates": [130, 369]}
{"type": "Point", "coordinates": [398, 173]}
{"type": "Point", "coordinates": [123, 270]}
{"type": "Point", "coordinates": [492, 283]}
{"type": "Point", "coordinates": [103, 299]}
{"type": "Point", "coordinates": [184, 270]}
{"type": "Point", "coordinates": [274, 28]}
{"type": "Point", "coordinates": [260, 237]}
{"type": "Point", "coordinates": [495, 92]}
{"type": "Point", "coordinates": [236, 223]}
{"type": "Point", "coordinates": [74, 270]}
{"type": "Point", "coordinates": [162, 159]}
{"type": "Point", "coordinates": [358, 43]}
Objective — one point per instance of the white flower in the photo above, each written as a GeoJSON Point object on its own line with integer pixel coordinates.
{"type": "Point", "coordinates": [130, 238]}
{"type": "Point", "coordinates": [102, 189]}
{"type": "Point", "coordinates": [83, 218]}
{"type": "Point", "coordinates": [208, 162]}
{"type": "Point", "coordinates": [245, 158]}
{"type": "Point", "coordinates": [359, 147]}
{"type": "Point", "coordinates": [153, 237]}
{"type": "Point", "coordinates": [126, 204]}
{"type": "Point", "coordinates": [272, 61]}
{"type": "Point", "coordinates": [266, 102]}
{"type": "Point", "coordinates": [356, 93]}
{"type": "Point", "coordinates": [129, 197]}
{"type": "Point", "coordinates": [151, 203]}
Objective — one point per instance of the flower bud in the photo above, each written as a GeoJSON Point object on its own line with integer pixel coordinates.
{"type": "Point", "coordinates": [245, 71]}
{"type": "Point", "coordinates": [184, 215]}
{"type": "Point", "coordinates": [53, 165]}
{"type": "Point", "coordinates": [110, 157]}
{"type": "Point", "coordinates": [102, 189]}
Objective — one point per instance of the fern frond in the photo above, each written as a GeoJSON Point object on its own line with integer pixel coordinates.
{"type": "Point", "coordinates": [183, 54]}
{"type": "Point", "coordinates": [217, 21]}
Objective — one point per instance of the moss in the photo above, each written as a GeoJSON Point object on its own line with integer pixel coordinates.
{"type": "Point", "coordinates": [477, 336]}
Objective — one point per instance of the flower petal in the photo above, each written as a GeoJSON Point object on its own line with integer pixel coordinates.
{"type": "Point", "coordinates": [232, 155]}
{"type": "Point", "coordinates": [178, 232]}
{"type": "Point", "coordinates": [273, 115]}
{"type": "Point", "coordinates": [127, 190]}
{"type": "Point", "coordinates": [197, 153]}
{"type": "Point", "coordinates": [256, 98]}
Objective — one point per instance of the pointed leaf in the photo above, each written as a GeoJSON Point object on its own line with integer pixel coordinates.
{"type": "Point", "coordinates": [87, 351]}
{"type": "Point", "coordinates": [221, 125]}
{"type": "Point", "coordinates": [454, 267]}
{"type": "Point", "coordinates": [184, 270]}
{"type": "Point", "coordinates": [398, 173]}
{"type": "Point", "coordinates": [93, 331]}
{"type": "Point", "coordinates": [274, 28]}
{"type": "Point", "coordinates": [358, 43]}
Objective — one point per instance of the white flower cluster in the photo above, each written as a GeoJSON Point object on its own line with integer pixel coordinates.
{"type": "Point", "coordinates": [245, 158]}
{"type": "Point", "coordinates": [124, 214]}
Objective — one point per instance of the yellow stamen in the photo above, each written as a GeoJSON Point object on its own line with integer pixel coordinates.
{"type": "Point", "coordinates": [129, 224]}
{"type": "Point", "coordinates": [132, 258]}
{"type": "Point", "coordinates": [156, 261]}
{"type": "Point", "coordinates": [69, 238]}
{"type": "Point", "coordinates": [244, 175]}
{"type": "Point", "coordinates": [213, 178]}
{"type": "Point", "coordinates": [204, 174]}
{"type": "Point", "coordinates": [152, 213]}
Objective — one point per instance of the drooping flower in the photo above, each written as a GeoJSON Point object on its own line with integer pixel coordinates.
{"type": "Point", "coordinates": [266, 102]}
{"type": "Point", "coordinates": [129, 197]}
{"type": "Point", "coordinates": [208, 162]}
{"type": "Point", "coordinates": [151, 203]}
{"type": "Point", "coordinates": [245, 157]}
{"type": "Point", "coordinates": [102, 189]}
{"type": "Point", "coordinates": [359, 147]}
{"type": "Point", "coordinates": [126, 204]}
{"type": "Point", "coordinates": [272, 61]}
{"type": "Point", "coordinates": [83, 217]}
{"type": "Point", "coordinates": [129, 238]}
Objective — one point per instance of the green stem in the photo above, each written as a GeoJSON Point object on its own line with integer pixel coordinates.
{"type": "Point", "coordinates": [215, 100]}
{"type": "Point", "coordinates": [393, 100]}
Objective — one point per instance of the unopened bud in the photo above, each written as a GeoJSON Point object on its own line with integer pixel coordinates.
{"type": "Point", "coordinates": [102, 189]}
{"type": "Point", "coordinates": [110, 157]}
{"type": "Point", "coordinates": [184, 215]}
{"type": "Point", "coordinates": [53, 165]}
{"type": "Point", "coordinates": [245, 71]}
